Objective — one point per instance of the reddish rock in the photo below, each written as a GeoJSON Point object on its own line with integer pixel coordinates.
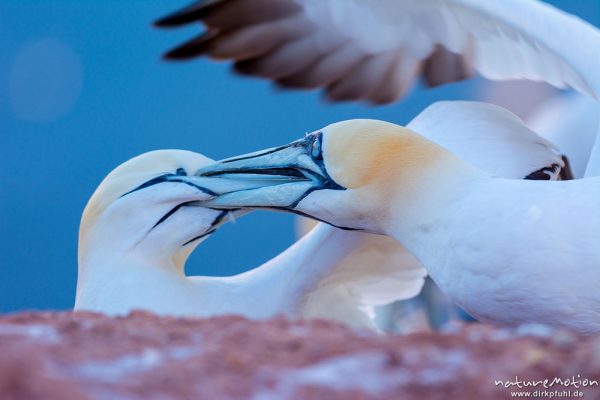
{"type": "Point", "coordinates": [90, 356]}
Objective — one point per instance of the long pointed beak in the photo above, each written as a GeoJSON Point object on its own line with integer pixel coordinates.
{"type": "Point", "coordinates": [221, 185]}
{"type": "Point", "coordinates": [208, 187]}
{"type": "Point", "coordinates": [283, 176]}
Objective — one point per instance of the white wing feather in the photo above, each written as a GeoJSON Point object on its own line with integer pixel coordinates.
{"type": "Point", "coordinates": [506, 39]}
{"type": "Point", "coordinates": [374, 49]}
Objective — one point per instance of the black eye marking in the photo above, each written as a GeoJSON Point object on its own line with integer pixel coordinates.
{"type": "Point", "coordinates": [177, 177]}
{"type": "Point", "coordinates": [151, 182]}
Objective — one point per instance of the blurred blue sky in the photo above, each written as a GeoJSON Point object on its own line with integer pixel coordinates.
{"type": "Point", "coordinates": [82, 89]}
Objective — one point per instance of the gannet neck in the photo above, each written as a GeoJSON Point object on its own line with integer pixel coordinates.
{"type": "Point", "coordinates": [112, 258]}
{"type": "Point", "coordinates": [416, 187]}
{"type": "Point", "coordinates": [421, 204]}
{"type": "Point", "coordinates": [124, 285]}
{"type": "Point", "coordinates": [124, 237]}
{"type": "Point", "coordinates": [301, 267]}
{"type": "Point", "coordinates": [280, 286]}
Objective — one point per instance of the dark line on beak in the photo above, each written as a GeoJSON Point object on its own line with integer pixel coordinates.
{"type": "Point", "coordinates": [282, 171]}
{"type": "Point", "coordinates": [213, 226]}
{"type": "Point", "coordinates": [169, 178]}
{"type": "Point", "coordinates": [293, 211]}
{"type": "Point", "coordinates": [200, 188]}
{"type": "Point", "coordinates": [264, 153]}
{"type": "Point", "coordinates": [151, 182]}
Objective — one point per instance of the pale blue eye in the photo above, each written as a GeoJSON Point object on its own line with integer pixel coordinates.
{"type": "Point", "coordinates": [315, 151]}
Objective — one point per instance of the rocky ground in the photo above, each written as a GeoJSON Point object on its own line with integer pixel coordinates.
{"type": "Point", "coordinates": [62, 356]}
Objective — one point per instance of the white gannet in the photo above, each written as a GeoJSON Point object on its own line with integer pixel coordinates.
{"type": "Point", "coordinates": [508, 251]}
{"type": "Point", "coordinates": [144, 220]}
{"type": "Point", "coordinates": [490, 138]}
{"type": "Point", "coordinates": [374, 49]}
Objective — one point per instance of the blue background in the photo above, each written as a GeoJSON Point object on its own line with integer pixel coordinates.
{"type": "Point", "coordinates": [82, 89]}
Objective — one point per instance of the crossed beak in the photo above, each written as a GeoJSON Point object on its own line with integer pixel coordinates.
{"type": "Point", "coordinates": [282, 176]}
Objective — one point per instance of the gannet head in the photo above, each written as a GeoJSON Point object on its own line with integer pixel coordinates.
{"type": "Point", "coordinates": [146, 211]}
{"type": "Point", "coordinates": [349, 174]}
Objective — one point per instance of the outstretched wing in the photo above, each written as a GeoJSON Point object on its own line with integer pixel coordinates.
{"type": "Point", "coordinates": [374, 49]}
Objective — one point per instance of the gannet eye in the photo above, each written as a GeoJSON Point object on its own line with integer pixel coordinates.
{"type": "Point", "coordinates": [315, 150]}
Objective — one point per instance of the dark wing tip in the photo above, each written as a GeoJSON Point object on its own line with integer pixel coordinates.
{"type": "Point", "coordinates": [566, 173]}
{"type": "Point", "coordinates": [540, 175]}
{"type": "Point", "coordinates": [192, 48]}
{"type": "Point", "coordinates": [176, 54]}
{"type": "Point", "coordinates": [188, 14]}
{"type": "Point", "coordinates": [444, 66]}
{"type": "Point", "coordinates": [544, 174]}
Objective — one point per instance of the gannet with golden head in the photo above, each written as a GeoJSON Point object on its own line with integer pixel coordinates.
{"type": "Point", "coordinates": [373, 50]}
{"type": "Point", "coordinates": [508, 251]}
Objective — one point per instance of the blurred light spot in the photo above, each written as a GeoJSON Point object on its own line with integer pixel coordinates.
{"type": "Point", "coordinates": [45, 80]}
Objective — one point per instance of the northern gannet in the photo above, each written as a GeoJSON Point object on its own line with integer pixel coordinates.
{"type": "Point", "coordinates": [145, 219]}
{"type": "Point", "coordinates": [373, 50]}
{"type": "Point", "coordinates": [508, 251]}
